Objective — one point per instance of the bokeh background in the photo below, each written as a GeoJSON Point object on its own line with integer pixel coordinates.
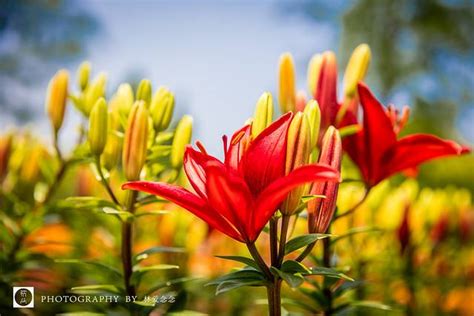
{"type": "Point", "coordinates": [219, 56]}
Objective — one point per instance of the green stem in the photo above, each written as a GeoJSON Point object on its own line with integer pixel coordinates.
{"type": "Point", "coordinates": [273, 240]}
{"type": "Point", "coordinates": [127, 238]}
{"type": "Point", "coordinates": [259, 260]}
{"type": "Point", "coordinates": [104, 181]}
{"type": "Point", "coordinates": [284, 232]}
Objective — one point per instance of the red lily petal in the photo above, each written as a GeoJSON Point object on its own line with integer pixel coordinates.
{"type": "Point", "coordinates": [229, 195]}
{"type": "Point", "coordinates": [238, 144]}
{"type": "Point", "coordinates": [412, 150]}
{"type": "Point", "coordinates": [264, 160]}
{"type": "Point", "coordinates": [187, 200]}
{"type": "Point", "coordinates": [326, 92]}
{"type": "Point", "coordinates": [269, 200]}
{"type": "Point", "coordinates": [378, 132]}
{"type": "Point", "coordinates": [194, 162]}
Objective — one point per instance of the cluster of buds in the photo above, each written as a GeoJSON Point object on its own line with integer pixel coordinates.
{"type": "Point", "coordinates": [322, 85]}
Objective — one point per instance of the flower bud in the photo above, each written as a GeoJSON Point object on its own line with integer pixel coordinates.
{"type": "Point", "coordinates": [297, 154]}
{"type": "Point", "coordinates": [300, 101]}
{"type": "Point", "coordinates": [403, 231]}
{"type": "Point", "coordinates": [263, 116]}
{"type": "Point", "coordinates": [83, 73]}
{"type": "Point", "coordinates": [356, 69]}
{"type": "Point", "coordinates": [314, 67]}
{"type": "Point", "coordinates": [135, 141]}
{"type": "Point", "coordinates": [313, 113]}
{"type": "Point", "coordinates": [182, 137]}
{"type": "Point", "coordinates": [56, 98]}
{"type": "Point", "coordinates": [94, 92]}
{"type": "Point", "coordinates": [30, 168]}
{"type": "Point", "coordinates": [326, 91]}
{"type": "Point", "coordinates": [98, 127]}
{"type": "Point", "coordinates": [321, 211]}
{"type": "Point", "coordinates": [122, 100]}
{"type": "Point", "coordinates": [161, 109]}
{"type": "Point", "coordinates": [287, 88]}
{"type": "Point", "coordinates": [5, 151]}
{"type": "Point", "coordinates": [144, 92]}
{"type": "Point", "coordinates": [113, 147]}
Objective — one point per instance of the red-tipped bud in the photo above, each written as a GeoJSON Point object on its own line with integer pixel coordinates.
{"type": "Point", "coordinates": [321, 210]}
{"type": "Point", "coordinates": [300, 101]}
{"type": "Point", "coordinates": [403, 232]}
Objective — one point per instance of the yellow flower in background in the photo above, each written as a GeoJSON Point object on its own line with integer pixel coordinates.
{"type": "Point", "coordinates": [161, 109]}
{"type": "Point", "coordinates": [122, 100]}
{"type": "Point", "coordinates": [93, 92]}
{"type": "Point", "coordinates": [113, 147]}
{"type": "Point", "coordinates": [56, 98]}
{"type": "Point", "coordinates": [356, 69]}
{"type": "Point", "coordinates": [144, 92]}
{"type": "Point", "coordinates": [5, 152]}
{"type": "Point", "coordinates": [98, 129]}
{"type": "Point", "coordinates": [314, 67]}
{"type": "Point", "coordinates": [313, 113]}
{"type": "Point", "coordinates": [83, 74]}
{"type": "Point", "coordinates": [263, 115]}
{"type": "Point", "coordinates": [182, 138]}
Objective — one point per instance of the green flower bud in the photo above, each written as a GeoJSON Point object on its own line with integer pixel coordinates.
{"type": "Point", "coordinates": [83, 73]}
{"type": "Point", "coordinates": [182, 137]}
{"type": "Point", "coordinates": [144, 91]}
{"type": "Point", "coordinates": [122, 101]}
{"type": "Point", "coordinates": [313, 113]}
{"type": "Point", "coordinates": [135, 141]}
{"type": "Point", "coordinates": [263, 116]}
{"type": "Point", "coordinates": [98, 127]}
{"type": "Point", "coordinates": [161, 109]}
{"type": "Point", "coordinates": [56, 98]}
{"type": "Point", "coordinates": [113, 148]}
{"type": "Point", "coordinates": [94, 92]}
{"type": "Point", "coordinates": [356, 69]}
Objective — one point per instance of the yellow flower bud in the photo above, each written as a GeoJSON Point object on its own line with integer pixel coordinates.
{"type": "Point", "coordinates": [122, 100]}
{"type": "Point", "coordinates": [298, 149]}
{"type": "Point", "coordinates": [314, 68]}
{"type": "Point", "coordinates": [263, 116]}
{"type": "Point", "coordinates": [182, 137]}
{"type": "Point", "coordinates": [287, 85]}
{"type": "Point", "coordinates": [161, 109]}
{"type": "Point", "coordinates": [98, 127]}
{"type": "Point", "coordinates": [356, 69]}
{"type": "Point", "coordinates": [5, 151]}
{"type": "Point", "coordinates": [56, 98]}
{"type": "Point", "coordinates": [83, 73]}
{"type": "Point", "coordinates": [135, 142]}
{"type": "Point", "coordinates": [30, 168]}
{"type": "Point", "coordinates": [144, 91]}
{"type": "Point", "coordinates": [94, 92]}
{"type": "Point", "coordinates": [313, 114]}
{"type": "Point", "coordinates": [113, 148]}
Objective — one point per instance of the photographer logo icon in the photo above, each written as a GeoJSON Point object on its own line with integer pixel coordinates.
{"type": "Point", "coordinates": [23, 297]}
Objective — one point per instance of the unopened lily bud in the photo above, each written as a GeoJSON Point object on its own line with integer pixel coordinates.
{"type": "Point", "coordinates": [321, 210]}
{"type": "Point", "coordinates": [161, 109]}
{"type": "Point", "coordinates": [5, 151]}
{"type": "Point", "coordinates": [356, 69]}
{"type": "Point", "coordinates": [83, 73]}
{"type": "Point", "coordinates": [297, 154]}
{"type": "Point", "coordinates": [94, 91]}
{"type": "Point", "coordinates": [135, 141]}
{"type": "Point", "coordinates": [263, 116]}
{"type": "Point", "coordinates": [122, 101]}
{"type": "Point", "coordinates": [313, 113]}
{"type": "Point", "coordinates": [182, 137]}
{"type": "Point", "coordinates": [98, 127]}
{"type": "Point", "coordinates": [300, 101]}
{"type": "Point", "coordinates": [287, 85]}
{"type": "Point", "coordinates": [113, 147]}
{"type": "Point", "coordinates": [144, 91]}
{"type": "Point", "coordinates": [56, 98]}
{"type": "Point", "coordinates": [403, 231]}
{"type": "Point", "coordinates": [314, 67]}
{"type": "Point", "coordinates": [30, 168]}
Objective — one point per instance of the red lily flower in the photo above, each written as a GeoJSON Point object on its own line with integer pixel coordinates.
{"type": "Point", "coordinates": [376, 150]}
{"type": "Point", "coordinates": [238, 196]}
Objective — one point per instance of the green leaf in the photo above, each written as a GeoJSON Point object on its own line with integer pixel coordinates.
{"type": "Point", "coordinates": [114, 271]}
{"type": "Point", "coordinates": [354, 231]}
{"type": "Point", "coordinates": [293, 279]}
{"type": "Point", "coordinates": [307, 198]}
{"type": "Point", "coordinates": [232, 285]}
{"type": "Point", "coordinates": [243, 274]}
{"type": "Point", "coordinates": [328, 272]}
{"type": "Point", "coordinates": [99, 288]}
{"type": "Point", "coordinates": [304, 240]}
{"type": "Point", "coordinates": [158, 249]}
{"type": "Point", "coordinates": [292, 266]}
{"type": "Point", "coordinates": [148, 213]}
{"type": "Point", "coordinates": [371, 304]}
{"type": "Point", "coordinates": [349, 130]}
{"type": "Point", "coordinates": [248, 261]}
{"type": "Point", "coordinates": [164, 284]}
{"type": "Point", "coordinates": [143, 269]}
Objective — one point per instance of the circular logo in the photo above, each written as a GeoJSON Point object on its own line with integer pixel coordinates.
{"type": "Point", "coordinates": [23, 297]}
